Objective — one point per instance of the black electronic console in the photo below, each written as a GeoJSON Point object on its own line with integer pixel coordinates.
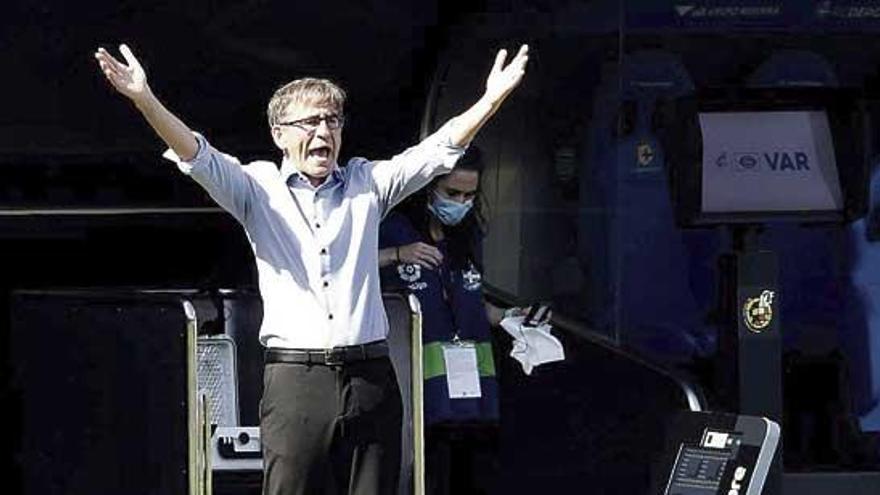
{"type": "Point", "coordinates": [715, 454]}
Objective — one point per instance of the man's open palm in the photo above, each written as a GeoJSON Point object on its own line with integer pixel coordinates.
{"type": "Point", "coordinates": [502, 80]}
{"type": "Point", "coordinates": [129, 78]}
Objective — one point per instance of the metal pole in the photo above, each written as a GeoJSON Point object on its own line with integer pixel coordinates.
{"type": "Point", "coordinates": [418, 418]}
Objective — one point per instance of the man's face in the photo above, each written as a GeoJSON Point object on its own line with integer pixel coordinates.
{"type": "Point", "coordinates": [310, 136]}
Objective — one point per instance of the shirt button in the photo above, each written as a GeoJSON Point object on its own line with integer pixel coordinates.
{"type": "Point", "coordinates": [324, 251]}
{"type": "Point", "coordinates": [317, 225]}
{"type": "Point", "coordinates": [326, 283]}
{"type": "Point", "coordinates": [330, 316]}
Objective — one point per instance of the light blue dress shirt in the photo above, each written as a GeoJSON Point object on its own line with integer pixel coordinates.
{"type": "Point", "coordinates": [316, 248]}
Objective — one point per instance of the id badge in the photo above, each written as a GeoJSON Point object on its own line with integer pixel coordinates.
{"type": "Point", "coordinates": [462, 373]}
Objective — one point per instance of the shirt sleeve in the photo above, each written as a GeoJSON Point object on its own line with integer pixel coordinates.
{"type": "Point", "coordinates": [221, 175]}
{"type": "Point", "coordinates": [413, 169]}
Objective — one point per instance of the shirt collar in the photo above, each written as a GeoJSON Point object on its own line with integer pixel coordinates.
{"type": "Point", "coordinates": [291, 175]}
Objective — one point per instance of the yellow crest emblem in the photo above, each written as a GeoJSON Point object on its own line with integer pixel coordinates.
{"type": "Point", "coordinates": [758, 311]}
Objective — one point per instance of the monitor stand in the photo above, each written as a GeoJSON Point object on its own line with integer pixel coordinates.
{"type": "Point", "coordinates": [750, 339]}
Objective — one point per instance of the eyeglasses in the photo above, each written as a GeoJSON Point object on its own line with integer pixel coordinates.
{"type": "Point", "coordinates": [311, 124]}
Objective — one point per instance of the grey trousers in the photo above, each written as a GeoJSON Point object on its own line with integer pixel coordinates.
{"type": "Point", "coordinates": [330, 429]}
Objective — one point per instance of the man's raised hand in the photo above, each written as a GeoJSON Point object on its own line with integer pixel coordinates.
{"type": "Point", "coordinates": [129, 78]}
{"type": "Point", "coordinates": [502, 80]}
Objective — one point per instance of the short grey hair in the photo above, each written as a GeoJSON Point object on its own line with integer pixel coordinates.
{"type": "Point", "coordinates": [307, 90]}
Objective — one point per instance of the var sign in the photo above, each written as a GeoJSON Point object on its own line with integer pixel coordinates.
{"type": "Point", "coordinates": [787, 161]}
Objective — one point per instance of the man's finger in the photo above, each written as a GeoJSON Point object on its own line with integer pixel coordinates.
{"type": "Point", "coordinates": [499, 61]}
{"type": "Point", "coordinates": [109, 72]}
{"type": "Point", "coordinates": [109, 59]}
{"type": "Point", "coordinates": [129, 56]}
{"type": "Point", "coordinates": [105, 60]}
{"type": "Point", "coordinates": [522, 57]}
{"type": "Point", "coordinates": [109, 68]}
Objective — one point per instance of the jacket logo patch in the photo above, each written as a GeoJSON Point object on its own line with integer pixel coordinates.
{"type": "Point", "coordinates": [471, 279]}
{"type": "Point", "coordinates": [411, 274]}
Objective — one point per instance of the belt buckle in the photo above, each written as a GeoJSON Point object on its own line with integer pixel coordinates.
{"type": "Point", "coordinates": [334, 356]}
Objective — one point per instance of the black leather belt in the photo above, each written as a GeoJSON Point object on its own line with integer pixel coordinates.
{"type": "Point", "coordinates": [329, 357]}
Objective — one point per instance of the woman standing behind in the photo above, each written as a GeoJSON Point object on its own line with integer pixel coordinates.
{"type": "Point", "coordinates": [431, 246]}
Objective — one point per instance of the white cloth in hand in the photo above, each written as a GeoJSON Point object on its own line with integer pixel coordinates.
{"type": "Point", "coordinates": [532, 345]}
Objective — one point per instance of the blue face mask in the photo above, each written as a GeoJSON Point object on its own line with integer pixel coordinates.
{"type": "Point", "coordinates": [449, 212]}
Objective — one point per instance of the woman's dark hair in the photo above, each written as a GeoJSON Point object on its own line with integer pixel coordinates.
{"type": "Point", "coordinates": [462, 239]}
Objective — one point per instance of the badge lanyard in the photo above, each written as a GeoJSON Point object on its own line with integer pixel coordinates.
{"type": "Point", "coordinates": [447, 287]}
{"type": "Point", "coordinates": [459, 356]}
